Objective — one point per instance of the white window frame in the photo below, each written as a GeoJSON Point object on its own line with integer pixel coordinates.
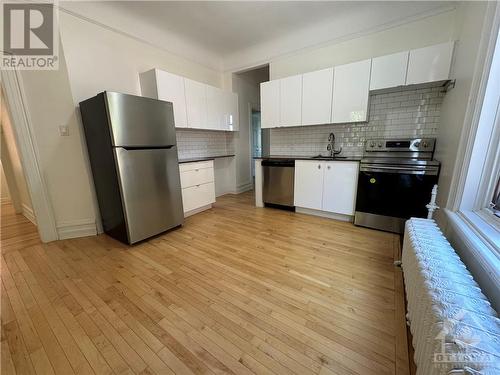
{"type": "Point", "coordinates": [481, 145]}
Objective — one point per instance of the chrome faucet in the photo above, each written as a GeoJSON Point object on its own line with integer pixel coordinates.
{"type": "Point", "coordinates": [331, 146]}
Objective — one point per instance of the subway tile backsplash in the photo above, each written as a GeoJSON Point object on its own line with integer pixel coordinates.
{"type": "Point", "coordinates": [401, 114]}
{"type": "Point", "coordinates": [201, 143]}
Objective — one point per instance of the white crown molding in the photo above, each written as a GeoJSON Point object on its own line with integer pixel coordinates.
{"type": "Point", "coordinates": [308, 39]}
{"type": "Point", "coordinates": [316, 36]}
{"type": "Point", "coordinates": [185, 50]}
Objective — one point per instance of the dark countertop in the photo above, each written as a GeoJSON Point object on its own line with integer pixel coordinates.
{"type": "Point", "coordinates": [325, 158]}
{"type": "Point", "coordinates": [203, 158]}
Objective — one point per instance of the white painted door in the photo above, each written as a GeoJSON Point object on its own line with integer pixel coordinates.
{"type": "Point", "coordinates": [215, 108]}
{"type": "Point", "coordinates": [430, 64]}
{"type": "Point", "coordinates": [270, 104]}
{"type": "Point", "coordinates": [340, 186]}
{"type": "Point", "coordinates": [291, 101]}
{"type": "Point", "coordinates": [317, 88]}
{"type": "Point", "coordinates": [351, 84]}
{"type": "Point", "coordinates": [389, 71]}
{"type": "Point", "coordinates": [196, 104]}
{"type": "Point", "coordinates": [308, 184]}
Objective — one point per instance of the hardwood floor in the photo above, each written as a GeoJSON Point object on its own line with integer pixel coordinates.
{"type": "Point", "coordinates": [237, 290]}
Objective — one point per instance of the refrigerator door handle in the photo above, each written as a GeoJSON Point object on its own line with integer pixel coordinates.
{"type": "Point", "coordinates": [131, 148]}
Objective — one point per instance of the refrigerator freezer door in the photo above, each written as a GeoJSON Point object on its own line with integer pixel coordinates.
{"type": "Point", "coordinates": [151, 191]}
{"type": "Point", "coordinates": [136, 121]}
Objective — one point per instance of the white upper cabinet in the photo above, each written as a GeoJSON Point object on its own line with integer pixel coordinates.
{"type": "Point", "coordinates": [166, 86]}
{"type": "Point", "coordinates": [231, 113]}
{"type": "Point", "coordinates": [270, 104]}
{"type": "Point", "coordinates": [389, 71]}
{"type": "Point", "coordinates": [317, 88]}
{"type": "Point", "coordinates": [339, 187]}
{"type": "Point", "coordinates": [196, 105]}
{"type": "Point", "coordinates": [291, 101]}
{"type": "Point", "coordinates": [430, 64]}
{"type": "Point", "coordinates": [215, 108]}
{"type": "Point", "coordinates": [196, 102]}
{"type": "Point", "coordinates": [308, 184]}
{"type": "Point", "coordinates": [340, 94]}
{"type": "Point", "coordinates": [351, 85]}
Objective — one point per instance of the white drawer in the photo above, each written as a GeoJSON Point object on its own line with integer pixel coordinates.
{"type": "Point", "coordinates": [196, 177]}
{"type": "Point", "coordinates": [183, 167]}
{"type": "Point", "coordinates": [198, 196]}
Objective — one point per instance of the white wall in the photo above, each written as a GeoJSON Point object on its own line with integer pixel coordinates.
{"type": "Point", "coordinates": [468, 33]}
{"type": "Point", "coordinates": [472, 18]}
{"type": "Point", "coordinates": [92, 59]}
{"type": "Point", "coordinates": [431, 30]}
{"type": "Point", "coordinates": [100, 59]}
{"type": "Point", "coordinates": [62, 162]}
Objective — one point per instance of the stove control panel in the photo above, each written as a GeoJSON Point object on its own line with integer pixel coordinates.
{"type": "Point", "coordinates": [401, 145]}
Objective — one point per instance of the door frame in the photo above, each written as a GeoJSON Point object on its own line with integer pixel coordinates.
{"type": "Point", "coordinates": [29, 154]}
{"type": "Point", "coordinates": [252, 139]}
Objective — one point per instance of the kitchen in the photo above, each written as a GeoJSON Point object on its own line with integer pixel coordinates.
{"type": "Point", "coordinates": [398, 98]}
{"type": "Point", "coordinates": [226, 187]}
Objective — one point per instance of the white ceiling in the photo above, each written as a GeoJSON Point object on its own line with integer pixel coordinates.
{"type": "Point", "coordinates": [219, 31]}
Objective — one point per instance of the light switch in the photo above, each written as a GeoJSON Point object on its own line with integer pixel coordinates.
{"type": "Point", "coordinates": [64, 130]}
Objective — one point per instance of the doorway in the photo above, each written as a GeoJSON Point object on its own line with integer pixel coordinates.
{"type": "Point", "coordinates": [256, 137]}
{"type": "Point", "coordinates": [14, 187]}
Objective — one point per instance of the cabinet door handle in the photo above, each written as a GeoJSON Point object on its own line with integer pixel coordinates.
{"type": "Point", "coordinates": [319, 166]}
{"type": "Point", "coordinates": [196, 170]}
{"type": "Point", "coordinates": [328, 167]}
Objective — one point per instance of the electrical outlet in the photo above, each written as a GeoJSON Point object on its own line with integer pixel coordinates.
{"type": "Point", "coordinates": [64, 130]}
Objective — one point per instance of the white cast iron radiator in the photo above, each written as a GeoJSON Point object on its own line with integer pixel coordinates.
{"type": "Point", "coordinates": [455, 330]}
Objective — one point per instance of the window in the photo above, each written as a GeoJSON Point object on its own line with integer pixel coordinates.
{"type": "Point", "coordinates": [495, 200]}
{"type": "Point", "coordinates": [478, 203]}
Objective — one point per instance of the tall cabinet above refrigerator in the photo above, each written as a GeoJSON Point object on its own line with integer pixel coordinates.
{"type": "Point", "coordinates": [133, 154]}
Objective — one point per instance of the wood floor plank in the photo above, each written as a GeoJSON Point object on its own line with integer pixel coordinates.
{"type": "Point", "coordinates": [236, 290]}
{"type": "Point", "coordinates": [7, 365]}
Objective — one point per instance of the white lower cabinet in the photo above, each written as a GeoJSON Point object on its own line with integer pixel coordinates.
{"type": "Point", "coordinates": [198, 187]}
{"type": "Point", "coordinates": [339, 187]}
{"type": "Point", "coordinates": [328, 186]}
{"type": "Point", "coordinates": [308, 184]}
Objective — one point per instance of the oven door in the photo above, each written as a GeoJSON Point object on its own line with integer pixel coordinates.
{"type": "Point", "coordinates": [388, 195]}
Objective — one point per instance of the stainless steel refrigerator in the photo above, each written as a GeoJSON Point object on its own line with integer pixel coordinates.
{"type": "Point", "coordinates": [133, 154]}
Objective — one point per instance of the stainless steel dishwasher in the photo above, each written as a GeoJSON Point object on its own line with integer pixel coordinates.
{"type": "Point", "coordinates": [278, 182]}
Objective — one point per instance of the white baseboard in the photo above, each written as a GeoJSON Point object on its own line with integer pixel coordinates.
{"type": "Point", "coordinates": [244, 187]}
{"type": "Point", "coordinates": [28, 213]}
{"type": "Point", "coordinates": [76, 228]}
{"type": "Point", "coordinates": [197, 210]}
{"type": "Point", "coordinates": [329, 215]}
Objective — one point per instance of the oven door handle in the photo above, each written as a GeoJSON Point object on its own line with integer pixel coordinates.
{"type": "Point", "coordinates": [400, 170]}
